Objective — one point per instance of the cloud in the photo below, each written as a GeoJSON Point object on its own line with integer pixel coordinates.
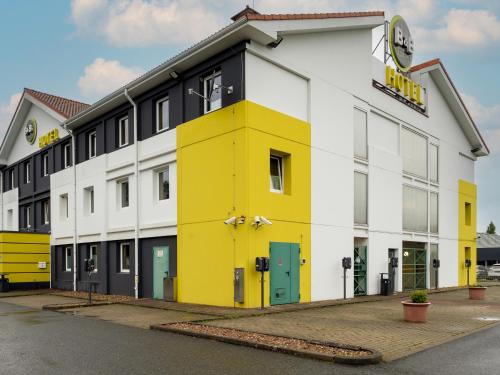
{"type": "Point", "coordinates": [6, 112]}
{"type": "Point", "coordinates": [131, 23]}
{"type": "Point", "coordinates": [485, 117]}
{"type": "Point", "coordinates": [104, 76]}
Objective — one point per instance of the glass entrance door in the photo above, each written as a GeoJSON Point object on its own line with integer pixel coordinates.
{"type": "Point", "coordinates": [414, 269]}
{"type": "Point", "coordinates": [360, 270]}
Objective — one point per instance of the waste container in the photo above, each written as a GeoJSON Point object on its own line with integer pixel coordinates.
{"type": "Point", "coordinates": [4, 285]}
{"type": "Point", "coordinates": [385, 284]}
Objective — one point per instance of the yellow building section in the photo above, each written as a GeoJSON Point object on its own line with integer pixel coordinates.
{"type": "Point", "coordinates": [467, 206]}
{"type": "Point", "coordinates": [223, 166]}
{"type": "Point", "coordinates": [25, 257]}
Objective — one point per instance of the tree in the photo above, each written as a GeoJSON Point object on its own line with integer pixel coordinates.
{"type": "Point", "coordinates": [491, 228]}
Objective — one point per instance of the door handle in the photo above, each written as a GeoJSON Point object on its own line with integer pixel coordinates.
{"type": "Point", "coordinates": [288, 273]}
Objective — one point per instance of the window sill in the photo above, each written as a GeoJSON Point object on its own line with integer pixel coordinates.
{"type": "Point", "coordinates": [360, 160]}
{"type": "Point", "coordinates": [159, 131]}
{"type": "Point", "coordinates": [125, 272]}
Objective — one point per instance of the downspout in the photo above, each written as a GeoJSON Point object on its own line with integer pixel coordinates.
{"type": "Point", "coordinates": [136, 174]}
{"type": "Point", "coordinates": [75, 227]}
{"type": "Point", "coordinates": [1, 198]}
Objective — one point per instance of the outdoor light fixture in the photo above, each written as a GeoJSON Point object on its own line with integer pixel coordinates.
{"type": "Point", "coordinates": [258, 221]}
{"type": "Point", "coordinates": [229, 91]}
{"type": "Point", "coordinates": [235, 220]}
{"type": "Point", "coordinates": [174, 74]}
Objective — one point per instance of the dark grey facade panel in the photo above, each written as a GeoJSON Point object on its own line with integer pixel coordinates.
{"type": "Point", "coordinates": [62, 279]}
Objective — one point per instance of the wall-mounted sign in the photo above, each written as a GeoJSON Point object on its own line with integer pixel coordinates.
{"type": "Point", "coordinates": [400, 43]}
{"type": "Point", "coordinates": [48, 138]}
{"type": "Point", "coordinates": [30, 131]}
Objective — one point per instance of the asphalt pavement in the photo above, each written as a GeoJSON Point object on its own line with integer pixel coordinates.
{"type": "Point", "coordinates": [44, 342]}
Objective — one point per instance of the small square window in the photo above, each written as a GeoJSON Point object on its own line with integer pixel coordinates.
{"type": "Point", "coordinates": [27, 217]}
{"type": "Point", "coordinates": [93, 255]}
{"type": "Point", "coordinates": [12, 177]}
{"type": "Point", "coordinates": [68, 255]}
{"type": "Point", "coordinates": [125, 257]}
{"type": "Point", "coordinates": [123, 132]}
{"type": "Point", "coordinates": [163, 184]}
{"type": "Point", "coordinates": [67, 155]}
{"type": "Point", "coordinates": [276, 172]}
{"type": "Point", "coordinates": [45, 164]}
{"type": "Point", "coordinates": [10, 218]}
{"type": "Point", "coordinates": [162, 114]}
{"type": "Point", "coordinates": [89, 200]}
{"type": "Point", "coordinates": [46, 212]}
{"type": "Point", "coordinates": [212, 91]}
{"type": "Point", "coordinates": [468, 213]}
{"type": "Point", "coordinates": [92, 144]}
{"type": "Point", "coordinates": [27, 172]}
{"type": "Point", "coordinates": [124, 193]}
{"type": "Point", "coordinates": [64, 206]}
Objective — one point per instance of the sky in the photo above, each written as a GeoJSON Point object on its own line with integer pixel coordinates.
{"type": "Point", "coordinates": [84, 49]}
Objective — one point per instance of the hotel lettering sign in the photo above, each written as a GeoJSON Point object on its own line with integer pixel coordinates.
{"type": "Point", "coordinates": [48, 138]}
{"type": "Point", "coordinates": [404, 85]}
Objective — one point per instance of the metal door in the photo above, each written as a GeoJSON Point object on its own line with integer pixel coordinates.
{"type": "Point", "coordinates": [160, 270]}
{"type": "Point", "coordinates": [284, 273]}
{"type": "Point", "coordinates": [434, 254]}
{"type": "Point", "coordinates": [414, 269]}
{"type": "Point", "coordinates": [360, 267]}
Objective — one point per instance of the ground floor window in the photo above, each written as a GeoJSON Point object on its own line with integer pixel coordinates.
{"type": "Point", "coordinates": [68, 256]}
{"type": "Point", "coordinates": [125, 257]}
{"type": "Point", "coordinates": [93, 255]}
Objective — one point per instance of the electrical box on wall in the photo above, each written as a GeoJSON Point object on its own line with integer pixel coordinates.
{"type": "Point", "coordinates": [239, 284]}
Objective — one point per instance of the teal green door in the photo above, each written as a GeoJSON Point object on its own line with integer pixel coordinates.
{"type": "Point", "coordinates": [360, 260]}
{"type": "Point", "coordinates": [160, 270]}
{"type": "Point", "coordinates": [284, 273]}
{"type": "Point", "coordinates": [414, 269]}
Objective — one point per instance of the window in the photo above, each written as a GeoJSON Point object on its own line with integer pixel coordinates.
{"type": "Point", "coordinates": [434, 203]}
{"type": "Point", "coordinates": [360, 198]}
{"type": "Point", "coordinates": [414, 209]}
{"type": "Point", "coordinates": [64, 206]}
{"type": "Point", "coordinates": [67, 155]}
{"type": "Point", "coordinates": [360, 134]}
{"type": "Point", "coordinates": [93, 255]}
{"type": "Point", "coordinates": [124, 257]}
{"type": "Point", "coordinates": [124, 193]}
{"type": "Point", "coordinates": [45, 164]}
{"type": "Point", "coordinates": [468, 213]}
{"type": "Point", "coordinates": [162, 114]}
{"type": "Point", "coordinates": [11, 179]}
{"type": "Point", "coordinates": [46, 212]}
{"type": "Point", "coordinates": [123, 132]}
{"type": "Point", "coordinates": [92, 144]}
{"type": "Point", "coordinates": [163, 185]}
{"type": "Point", "coordinates": [414, 153]}
{"type": "Point", "coordinates": [27, 217]}
{"type": "Point", "coordinates": [68, 255]}
{"type": "Point", "coordinates": [212, 92]}
{"type": "Point", "coordinates": [10, 218]}
{"type": "Point", "coordinates": [276, 173]}
{"type": "Point", "coordinates": [433, 161]}
{"type": "Point", "coordinates": [27, 172]}
{"type": "Point", "coordinates": [89, 200]}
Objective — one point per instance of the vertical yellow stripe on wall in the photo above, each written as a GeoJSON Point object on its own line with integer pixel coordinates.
{"type": "Point", "coordinates": [467, 231]}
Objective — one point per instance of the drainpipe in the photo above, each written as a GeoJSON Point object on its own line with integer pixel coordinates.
{"type": "Point", "coordinates": [1, 198]}
{"type": "Point", "coordinates": [75, 227]}
{"type": "Point", "coordinates": [136, 174]}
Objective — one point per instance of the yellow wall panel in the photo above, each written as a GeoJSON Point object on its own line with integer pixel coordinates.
{"type": "Point", "coordinates": [467, 194]}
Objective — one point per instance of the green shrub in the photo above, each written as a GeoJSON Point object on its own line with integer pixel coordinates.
{"type": "Point", "coordinates": [476, 285]}
{"type": "Point", "coordinates": [419, 296]}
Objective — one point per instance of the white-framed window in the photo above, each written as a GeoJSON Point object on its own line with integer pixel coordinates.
{"type": "Point", "coordinates": [46, 211]}
{"type": "Point", "coordinates": [276, 174]}
{"type": "Point", "coordinates": [67, 155]}
{"type": "Point", "coordinates": [434, 207]}
{"type": "Point", "coordinates": [68, 259]}
{"type": "Point", "coordinates": [10, 218]}
{"type": "Point", "coordinates": [45, 164]}
{"type": "Point", "coordinates": [162, 114]}
{"type": "Point", "coordinates": [89, 200]}
{"type": "Point", "coordinates": [123, 131]}
{"type": "Point", "coordinates": [415, 211]}
{"type": "Point", "coordinates": [27, 172]}
{"type": "Point", "coordinates": [92, 144]}
{"type": "Point", "coordinates": [93, 255]}
{"type": "Point", "coordinates": [12, 177]}
{"type": "Point", "coordinates": [360, 134]}
{"type": "Point", "coordinates": [414, 153]}
{"type": "Point", "coordinates": [434, 162]}
{"type": "Point", "coordinates": [123, 188]}
{"type": "Point", "coordinates": [212, 91]}
{"type": "Point", "coordinates": [360, 198]}
{"type": "Point", "coordinates": [125, 257]}
{"type": "Point", "coordinates": [27, 216]}
{"type": "Point", "coordinates": [163, 184]}
{"type": "Point", "coordinates": [64, 206]}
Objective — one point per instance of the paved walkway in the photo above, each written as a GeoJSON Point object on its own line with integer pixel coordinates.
{"type": "Point", "coordinates": [379, 325]}
{"type": "Point", "coordinates": [38, 301]}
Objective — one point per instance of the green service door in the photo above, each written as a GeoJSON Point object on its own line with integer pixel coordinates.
{"type": "Point", "coordinates": [414, 269]}
{"type": "Point", "coordinates": [360, 270]}
{"type": "Point", "coordinates": [160, 270]}
{"type": "Point", "coordinates": [284, 273]}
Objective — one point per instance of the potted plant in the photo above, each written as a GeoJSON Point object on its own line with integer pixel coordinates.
{"type": "Point", "coordinates": [477, 292]}
{"type": "Point", "coordinates": [415, 310]}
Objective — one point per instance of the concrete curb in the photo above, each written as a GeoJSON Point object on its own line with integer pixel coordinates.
{"type": "Point", "coordinates": [374, 358]}
{"type": "Point", "coordinates": [66, 306]}
{"type": "Point", "coordinates": [13, 294]}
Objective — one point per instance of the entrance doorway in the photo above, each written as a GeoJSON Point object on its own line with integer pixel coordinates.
{"type": "Point", "coordinates": [284, 272]}
{"type": "Point", "coordinates": [414, 266]}
{"type": "Point", "coordinates": [360, 268]}
{"type": "Point", "coordinates": [160, 270]}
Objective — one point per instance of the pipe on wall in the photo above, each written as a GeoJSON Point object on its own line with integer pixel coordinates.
{"type": "Point", "coordinates": [136, 174]}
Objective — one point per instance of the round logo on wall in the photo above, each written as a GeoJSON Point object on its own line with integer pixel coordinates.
{"type": "Point", "coordinates": [401, 43]}
{"type": "Point", "coordinates": [30, 131]}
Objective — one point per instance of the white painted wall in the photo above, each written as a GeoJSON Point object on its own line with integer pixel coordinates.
{"type": "Point", "coordinates": [10, 204]}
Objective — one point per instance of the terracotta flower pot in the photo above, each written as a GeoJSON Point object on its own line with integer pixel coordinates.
{"type": "Point", "coordinates": [477, 292]}
{"type": "Point", "coordinates": [415, 312]}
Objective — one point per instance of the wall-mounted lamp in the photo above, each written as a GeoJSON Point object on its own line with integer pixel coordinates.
{"type": "Point", "coordinates": [174, 74]}
{"type": "Point", "coordinates": [259, 221]}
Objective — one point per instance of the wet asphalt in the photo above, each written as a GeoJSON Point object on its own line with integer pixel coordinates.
{"type": "Point", "coordinates": [43, 342]}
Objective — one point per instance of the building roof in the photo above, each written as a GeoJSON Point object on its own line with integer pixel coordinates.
{"type": "Point", "coordinates": [455, 101]}
{"type": "Point", "coordinates": [65, 107]}
{"type": "Point", "coordinates": [310, 16]}
{"type": "Point", "coordinates": [485, 240]}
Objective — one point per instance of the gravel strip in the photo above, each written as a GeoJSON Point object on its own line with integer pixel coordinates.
{"type": "Point", "coordinates": [95, 296]}
{"type": "Point", "coordinates": [276, 341]}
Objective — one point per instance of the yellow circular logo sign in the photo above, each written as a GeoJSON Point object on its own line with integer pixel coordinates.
{"type": "Point", "coordinates": [400, 43]}
{"type": "Point", "coordinates": [30, 131]}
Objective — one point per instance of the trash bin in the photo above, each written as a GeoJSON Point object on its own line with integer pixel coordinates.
{"type": "Point", "coordinates": [385, 284]}
{"type": "Point", "coordinates": [4, 285]}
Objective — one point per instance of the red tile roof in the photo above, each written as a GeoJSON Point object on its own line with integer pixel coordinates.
{"type": "Point", "coordinates": [425, 65]}
{"type": "Point", "coordinates": [65, 107]}
{"type": "Point", "coordinates": [310, 16]}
